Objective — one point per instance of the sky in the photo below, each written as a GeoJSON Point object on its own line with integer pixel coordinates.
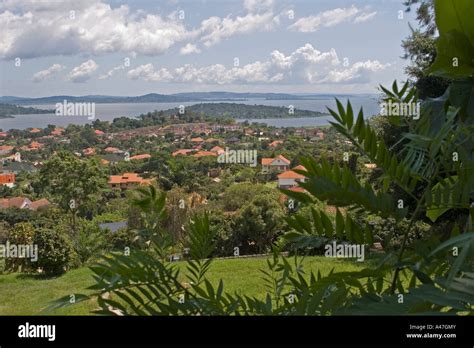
{"type": "Point", "coordinates": [115, 47]}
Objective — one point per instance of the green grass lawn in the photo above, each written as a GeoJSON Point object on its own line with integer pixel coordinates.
{"type": "Point", "coordinates": [29, 294]}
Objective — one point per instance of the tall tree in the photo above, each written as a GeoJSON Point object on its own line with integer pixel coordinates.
{"type": "Point", "coordinates": [420, 48]}
{"type": "Point", "coordinates": [73, 182]}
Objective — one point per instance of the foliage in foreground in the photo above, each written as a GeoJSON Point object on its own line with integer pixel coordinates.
{"type": "Point", "coordinates": [433, 167]}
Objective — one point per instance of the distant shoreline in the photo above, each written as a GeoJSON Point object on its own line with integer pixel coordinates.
{"type": "Point", "coordinates": [197, 97]}
{"type": "Point", "coordinates": [109, 112]}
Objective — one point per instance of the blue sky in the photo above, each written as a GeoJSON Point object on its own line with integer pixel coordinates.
{"type": "Point", "coordinates": [137, 47]}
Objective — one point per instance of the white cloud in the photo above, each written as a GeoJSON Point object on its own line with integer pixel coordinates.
{"type": "Point", "coordinates": [111, 72]}
{"type": "Point", "coordinates": [147, 72]}
{"type": "Point", "coordinates": [258, 5]}
{"type": "Point", "coordinates": [44, 74]}
{"type": "Point", "coordinates": [215, 29]}
{"type": "Point", "coordinates": [38, 29]}
{"type": "Point", "coordinates": [331, 18]}
{"type": "Point", "coordinates": [357, 73]}
{"type": "Point", "coordinates": [49, 28]}
{"type": "Point", "coordinates": [188, 49]}
{"type": "Point", "coordinates": [365, 17]}
{"type": "Point", "coordinates": [305, 65]}
{"type": "Point", "coordinates": [82, 72]}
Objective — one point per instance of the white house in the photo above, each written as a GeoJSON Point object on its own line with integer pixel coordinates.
{"type": "Point", "coordinates": [279, 163]}
{"type": "Point", "coordinates": [290, 178]}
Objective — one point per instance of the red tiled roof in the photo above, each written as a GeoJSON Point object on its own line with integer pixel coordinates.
{"type": "Point", "coordinates": [6, 148]}
{"type": "Point", "coordinates": [300, 167]}
{"type": "Point", "coordinates": [19, 202]}
{"type": "Point", "coordinates": [43, 202]}
{"type": "Point", "coordinates": [268, 161]}
{"type": "Point", "coordinates": [57, 131]}
{"type": "Point", "coordinates": [204, 153]}
{"type": "Point", "coordinates": [89, 151]}
{"type": "Point", "coordinates": [128, 178]}
{"type": "Point", "coordinates": [181, 152]}
{"type": "Point", "coordinates": [275, 143]}
{"type": "Point", "coordinates": [111, 149]}
{"type": "Point", "coordinates": [289, 174]}
{"type": "Point", "coordinates": [8, 178]}
{"type": "Point", "coordinates": [139, 157]}
{"type": "Point", "coordinates": [16, 202]}
{"type": "Point", "coordinates": [283, 158]}
{"type": "Point", "coordinates": [217, 149]}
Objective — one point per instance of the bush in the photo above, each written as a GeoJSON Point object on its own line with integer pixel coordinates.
{"type": "Point", "coordinates": [21, 234]}
{"type": "Point", "coordinates": [221, 226]}
{"type": "Point", "coordinates": [4, 232]}
{"type": "Point", "coordinates": [54, 251]}
{"type": "Point", "coordinates": [259, 223]}
{"type": "Point", "coordinates": [124, 237]}
{"type": "Point", "coordinates": [88, 242]}
{"type": "Point", "coordinates": [389, 233]}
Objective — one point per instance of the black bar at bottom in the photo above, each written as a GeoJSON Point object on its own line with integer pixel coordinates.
{"type": "Point", "coordinates": [415, 330]}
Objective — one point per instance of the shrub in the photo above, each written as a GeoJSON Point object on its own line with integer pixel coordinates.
{"type": "Point", "coordinates": [89, 241]}
{"type": "Point", "coordinates": [22, 233]}
{"type": "Point", "coordinates": [221, 226]}
{"type": "Point", "coordinates": [54, 251]}
{"type": "Point", "coordinates": [390, 232]}
{"type": "Point", "coordinates": [4, 232]}
{"type": "Point", "coordinates": [124, 237]}
{"type": "Point", "coordinates": [259, 223]}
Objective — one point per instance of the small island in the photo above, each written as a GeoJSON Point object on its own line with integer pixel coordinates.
{"type": "Point", "coordinates": [9, 110]}
{"type": "Point", "coordinates": [245, 111]}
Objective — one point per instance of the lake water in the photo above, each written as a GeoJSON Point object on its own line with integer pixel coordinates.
{"type": "Point", "coordinates": [107, 112]}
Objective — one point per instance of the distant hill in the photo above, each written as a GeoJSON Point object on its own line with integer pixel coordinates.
{"type": "Point", "coordinates": [147, 98]}
{"type": "Point", "coordinates": [8, 110]}
{"type": "Point", "coordinates": [235, 96]}
{"type": "Point", "coordinates": [208, 96]}
{"type": "Point", "coordinates": [167, 98]}
{"type": "Point", "coordinates": [244, 111]}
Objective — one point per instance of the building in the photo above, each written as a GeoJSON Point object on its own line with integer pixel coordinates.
{"type": "Point", "coordinates": [197, 140]}
{"type": "Point", "coordinates": [12, 158]}
{"type": "Point", "coordinates": [112, 150]}
{"type": "Point", "coordinates": [290, 178]}
{"type": "Point", "coordinates": [33, 146]}
{"type": "Point", "coordinates": [127, 181]}
{"type": "Point", "coordinates": [57, 131]}
{"type": "Point", "coordinates": [6, 149]}
{"type": "Point", "coordinates": [275, 143]}
{"type": "Point", "coordinates": [139, 157]}
{"type": "Point", "coordinates": [204, 154]}
{"type": "Point", "coordinates": [182, 152]}
{"type": "Point", "coordinates": [89, 151]}
{"type": "Point", "coordinates": [217, 149]}
{"type": "Point", "coordinates": [7, 180]}
{"type": "Point", "coordinates": [279, 163]}
{"type": "Point", "coordinates": [23, 203]}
